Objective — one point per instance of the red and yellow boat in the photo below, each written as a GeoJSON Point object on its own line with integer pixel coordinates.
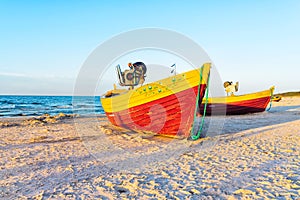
{"type": "Point", "coordinates": [165, 107]}
{"type": "Point", "coordinates": [238, 105]}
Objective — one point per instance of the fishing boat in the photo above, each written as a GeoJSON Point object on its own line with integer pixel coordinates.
{"type": "Point", "coordinates": [237, 104]}
{"type": "Point", "coordinates": [164, 107]}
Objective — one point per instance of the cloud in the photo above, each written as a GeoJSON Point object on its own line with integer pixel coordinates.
{"type": "Point", "coordinates": [36, 76]}
{"type": "Point", "coordinates": [12, 74]}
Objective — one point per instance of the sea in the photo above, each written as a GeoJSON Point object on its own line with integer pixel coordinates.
{"type": "Point", "coordinates": [17, 106]}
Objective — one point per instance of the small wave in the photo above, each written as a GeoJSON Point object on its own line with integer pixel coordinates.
{"type": "Point", "coordinates": [3, 101]}
{"type": "Point", "coordinates": [62, 107]}
{"type": "Point", "coordinates": [7, 107]}
{"type": "Point", "coordinates": [7, 102]}
{"type": "Point", "coordinates": [36, 103]}
{"type": "Point", "coordinates": [17, 115]}
{"type": "Point", "coordinates": [24, 107]}
{"type": "Point", "coordinates": [4, 111]}
{"type": "Point", "coordinates": [10, 102]}
{"type": "Point", "coordinates": [84, 106]}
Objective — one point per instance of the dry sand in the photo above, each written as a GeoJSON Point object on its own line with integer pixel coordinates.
{"type": "Point", "coordinates": [249, 157]}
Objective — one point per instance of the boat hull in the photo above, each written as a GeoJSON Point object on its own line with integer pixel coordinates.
{"type": "Point", "coordinates": [165, 107]}
{"type": "Point", "coordinates": [238, 105]}
{"type": "Point", "coordinates": [169, 116]}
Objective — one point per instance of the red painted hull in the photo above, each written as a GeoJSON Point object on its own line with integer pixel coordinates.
{"type": "Point", "coordinates": [237, 108]}
{"type": "Point", "coordinates": [172, 115]}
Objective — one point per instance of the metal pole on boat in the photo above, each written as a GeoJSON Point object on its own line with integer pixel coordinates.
{"type": "Point", "coordinates": [174, 70]}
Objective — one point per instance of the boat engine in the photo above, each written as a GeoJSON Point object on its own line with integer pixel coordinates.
{"type": "Point", "coordinates": [231, 87]}
{"type": "Point", "coordinates": [133, 76]}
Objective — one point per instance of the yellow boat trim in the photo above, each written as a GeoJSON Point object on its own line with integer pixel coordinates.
{"type": "Point", "coordinates": [156, 90]}
{"type": "Point", "coordinates": [233, 99]}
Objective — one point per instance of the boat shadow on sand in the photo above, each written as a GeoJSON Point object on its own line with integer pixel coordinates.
{"type": "Point", "coordinates": [220, 125]}
{"type": "Point", "coordinates": [223, 125]}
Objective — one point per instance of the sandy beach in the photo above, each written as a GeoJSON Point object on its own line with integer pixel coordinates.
{"type": "Point", "coordinates": [72, 157]}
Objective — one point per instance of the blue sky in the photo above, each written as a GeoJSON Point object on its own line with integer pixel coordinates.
{"type": "Point", "coordinates": [43, 44]}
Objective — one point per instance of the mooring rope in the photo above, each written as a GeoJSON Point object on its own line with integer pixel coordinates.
{"type": "Point", "coordinates": [270, 105]}
{"type": "Point", "coordinates": [198, 135]}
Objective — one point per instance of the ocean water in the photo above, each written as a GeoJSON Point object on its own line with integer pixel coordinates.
{"type": "Point", "coordinates": [15, 106]}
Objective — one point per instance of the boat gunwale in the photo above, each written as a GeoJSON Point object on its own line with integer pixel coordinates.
{"type": "Point", "coordinates": [189, 81]}
{"type": "Point", "coordinates": [239, 98]}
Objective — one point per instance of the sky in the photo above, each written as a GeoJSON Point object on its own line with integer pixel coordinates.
{"type": "Point", "coordinates": [43, 44]}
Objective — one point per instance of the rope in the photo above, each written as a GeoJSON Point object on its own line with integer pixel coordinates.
{"type": "Point", "coordinates": [198, 135]}
{"type": "Point", "coordinates": [270, 105]}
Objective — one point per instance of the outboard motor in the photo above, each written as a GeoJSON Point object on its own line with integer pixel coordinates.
{"type": "Point", "coordinates": [230, 87]}
{"type": "Point", "coordinates": [134, 76]}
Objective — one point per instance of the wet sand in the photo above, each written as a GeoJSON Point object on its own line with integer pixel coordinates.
{"type": "Point", "coordinates": [242, 157]}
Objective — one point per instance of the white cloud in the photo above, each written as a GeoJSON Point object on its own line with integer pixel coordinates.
{"type": "Point", "coordinates": [12, 74]}
{"type": "Point", "coordinates": [36, 76]}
